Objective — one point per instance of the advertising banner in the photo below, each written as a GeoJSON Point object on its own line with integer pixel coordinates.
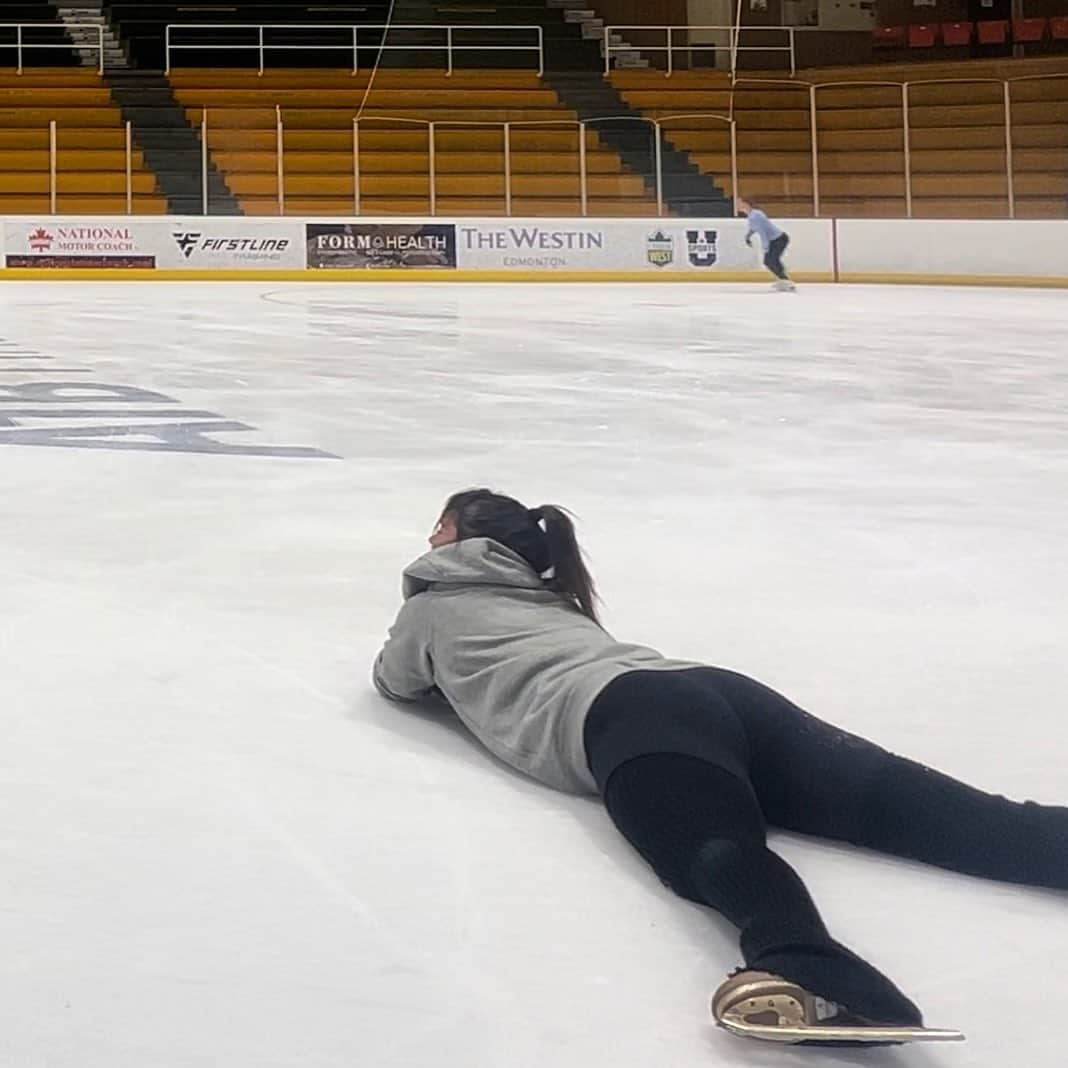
{"type": "Point", "coordinates": [62, 242]}
{"type": "Point", "coordinates": [374, 246]}
{"type": "Point", "coordinates": [230, 244]}
{"type": "Point", "coordinates": [673, 248]}
{"type": "Point", "coordinates": [655, 245]}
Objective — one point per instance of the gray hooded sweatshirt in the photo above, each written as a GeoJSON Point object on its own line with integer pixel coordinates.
{"type": "Point", "coordinates": [518, 664]}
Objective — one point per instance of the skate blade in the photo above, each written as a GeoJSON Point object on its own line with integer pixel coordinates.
{"type": "Point", "coordinates": [791, 1035]}
{"type": "Point", "coordinates": [766, 1007]}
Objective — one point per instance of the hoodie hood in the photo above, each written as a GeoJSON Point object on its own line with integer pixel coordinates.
{"type": "Point", "coordinates": [471, 562]}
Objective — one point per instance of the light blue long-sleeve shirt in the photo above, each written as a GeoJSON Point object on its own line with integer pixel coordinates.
{"type": "Point", "coordinates": [763, 227]}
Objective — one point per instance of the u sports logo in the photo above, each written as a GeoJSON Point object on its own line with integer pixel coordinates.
{"type": "Point", "coordinates": [701, 245]}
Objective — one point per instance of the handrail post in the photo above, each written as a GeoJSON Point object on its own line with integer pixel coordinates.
{"type": "Point", "coordinates": [129, 167]}
{"type": "Point", "coordinates": [582, 167]}
{"type": "Point", "coordinates": [204, 162]}
{"type": "Point", "coordinates": [813, 133]}
{"type": "Point", "coordinates": [100, 45]}
{"type": "Point", "coordinates": [433, 168]}
{"type": "Point", "coordinates": [736, 34]}
{"type": "Point", "coordinates": [607, 53]}
{"type": "Point", "coordinates": [658, 156]}
{"type": "Point", "coordinates": [734, 167]}
{"type": "Point", "coordinates": [355, 51]}
{"type": "Point", "coordinates": [508, 169]}
{"type": "Point", "coordinates": [670, 57]}
{"type": "Point", "coordinates": [261, 51]}
{"type": "Point", "coordinates": [52, 165]}
{"type": "Point", "coordinates": [906, 144]}
{"type": "Point", "coordinates": [356, 166]}
{"type": "Point", "coordinates": [541, 50]}
{"type": "Point", "coordinates": [18, 47]}
{"type": "Point", "coordinates": [280, 155]}
{"type": "Point", "coordinates": [1010, 178]}
{"type": "Point", "coordinates": [167, 48]}
{"type": "Point", "coordinates": [793, 51]}
{"type": "Point", "coordinates": [448, 50]}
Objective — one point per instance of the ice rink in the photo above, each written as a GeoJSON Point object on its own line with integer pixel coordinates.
{"type": "Point", "coordinates": [219, 848]}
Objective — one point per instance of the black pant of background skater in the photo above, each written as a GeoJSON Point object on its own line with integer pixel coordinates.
{"type": "Point", "coordinates": [773, 257]}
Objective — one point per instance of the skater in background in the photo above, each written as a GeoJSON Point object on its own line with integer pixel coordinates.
{"type": "Point", "coordinates": [692, 763]}
{"type": "Point", "coordinates": [773, 239]}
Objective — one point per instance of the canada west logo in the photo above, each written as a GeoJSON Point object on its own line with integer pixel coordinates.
{"type": "Point", "coordinates": [701, 245]}
{"type": "Point", "coordinates": [659, 249]}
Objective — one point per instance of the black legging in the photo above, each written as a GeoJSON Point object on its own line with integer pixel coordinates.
{"type": "Point", "coordinates": [773, 257]}
{"type": "Point", "coordinates": [693, 765]}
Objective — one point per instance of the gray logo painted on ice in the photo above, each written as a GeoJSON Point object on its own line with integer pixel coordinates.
{"type": "Point", "coordinates": [92, 415]}
{"type": "Point", "coordinates": [145, 429]}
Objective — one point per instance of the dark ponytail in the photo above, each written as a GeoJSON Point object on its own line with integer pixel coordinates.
{"type": "Point", "coordinates": [570, 574]}
{"type": "Point", "coordinates": [544, 537]}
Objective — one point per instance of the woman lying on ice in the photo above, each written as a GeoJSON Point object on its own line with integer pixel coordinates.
{"type": "Point", "coordinates": [693, 763]}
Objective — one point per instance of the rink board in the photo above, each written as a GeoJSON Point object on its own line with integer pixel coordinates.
{"type": "Point", "coordinates": [192, 248]}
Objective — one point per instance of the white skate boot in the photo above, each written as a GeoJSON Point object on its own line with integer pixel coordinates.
{"type": "Point", "coordinates": [760, 1005]}
{"type": "Point", "coordinates": [784, 285]}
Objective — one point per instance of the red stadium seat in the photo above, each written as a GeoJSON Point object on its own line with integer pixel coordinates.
{"type": "Point", "coordinates": [993, 31]}
{"type": "Point", "coordinates": [1058, 27]}
{"type": "Point", "coordinates": [1028, 31]}
{"type": "Point", "coordinates": [923, 35]}
{"type": "Point", "coordinates": [890, 37]}
{"type": "Point", "coordinates": [957, 33]}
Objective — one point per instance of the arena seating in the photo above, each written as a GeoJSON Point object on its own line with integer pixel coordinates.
{"type": "Point", "coordinates": [318, 108]}
{"type": "Point", "coordinates": [957, 141]}
{"type": "Point", "coordinates": [957, 34]}
{"type": "Point", "coordinates": [90, 141]}
{"type": "Point", "coordinates": [957, 138]}
{"type": "Point", "coordinates": [142, 25]}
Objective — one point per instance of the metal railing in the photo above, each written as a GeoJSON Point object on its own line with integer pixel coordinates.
{"type": "Point", "coordinates": [263, 44]}
{"type": "Point", "coordinates": [901, 95]}
{"type": "Point", "coordinates": [731, 44]}
{"type": "Point", "coordinates": [665, 124]}
{"type": "Point", "coordinates": [907, 106]}
{"type": "Point", "coordinates": [20, 44]}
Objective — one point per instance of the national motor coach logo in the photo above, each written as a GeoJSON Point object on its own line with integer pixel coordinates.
{"type": "Point", "coordinates": [82, 245]}
{"type": "Point", "coordinates": [40, 240]}
{"type": "Point", "coordinates": [90, 240]}
{"type": "Point", "coordinates": [659, 249]}
{"type": "Point", "coordinates": [701, 245]}
{"type": "Point", "coordinates": [193, 242]}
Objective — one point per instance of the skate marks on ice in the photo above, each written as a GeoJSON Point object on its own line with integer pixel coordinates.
{"type": "Point", "coordinates": [74, 414]}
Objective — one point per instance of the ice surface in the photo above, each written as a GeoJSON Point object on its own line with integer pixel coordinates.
{"type": "Point", "coordinates": [219, 848]}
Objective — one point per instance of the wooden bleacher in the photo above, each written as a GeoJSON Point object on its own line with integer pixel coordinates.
{"type": "Point", "coordinates": [957, 138]}
{"type": "Point", "coordinates": [90, 141]}
{"type": "Point", "coordinates": [318, 108]}
{"type": "Point", "coordinates": [958, 153]}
